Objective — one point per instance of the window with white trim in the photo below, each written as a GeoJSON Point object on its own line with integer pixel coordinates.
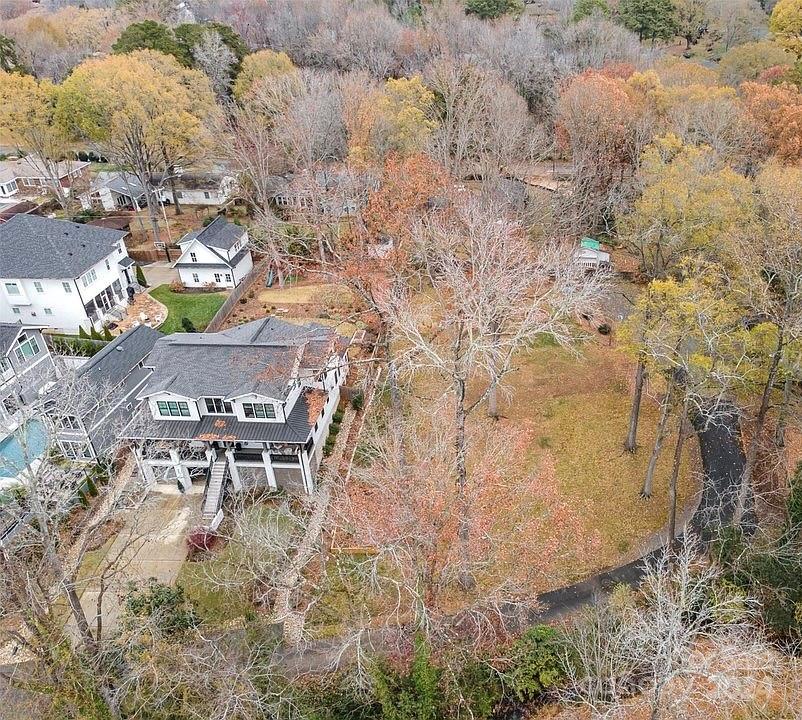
{"type": "Point", "coordinates": [48, 311]}
{"type": "Point", "coordinates": [217, 277]}
{"type": "Point", "coordinates": [88, 278]}
{"type": "Point", "coordinates": [75, 450]}
{"type": "Point", "coordinates": [67, 287]}
{"type": "Point", "coordinates": [5, 365]}
{"type": "Point", "coordinates": [207, 195]}
{"type": "Point", "coordinates": [38, 286]}
{"type": "Point", "coordinates": [259, 411]}
{"type": "Point", "coordinates": [108, 267]}
{"type": "Point", "coordinates": [218, 406]}
{"type": "Point", "coordinates": [27, 347]}
{"type": "Point", "coordinates": [195, 277]}
{"type": "Point", "coordinates": [12, 288]}
{"type": "Point", "coordinates": [228, 277]}
{"type": "Point", "coordinates": [193, 257]}
{"type": "Point", "coordinates": [69, 422]}
{"type": "Point", "coordinates": [16, 311]}
{"type": "Point", "coordinates": [172, 408]}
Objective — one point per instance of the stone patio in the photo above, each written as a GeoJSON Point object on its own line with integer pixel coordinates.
{"type": "Point", "coordinates": [145, 310]}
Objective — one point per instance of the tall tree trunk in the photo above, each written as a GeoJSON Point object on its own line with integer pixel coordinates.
{"type": "Point", "coordinates": [760, 421]}
{"type": "Point", "coordinates": [631, 443]}
{"type": "Point", "coordinates": [492, 395]}
{"type": "Point", "coordinates": [78, 614]}
{"type": "Point", "coordinates": [648, 483]}
{"type": "Point", "coordinates": [153, 211]}
{"type": "Point", "coordinates": [682, 433]}
{"type": "Point", "coordinates": [173, 191]}
{"type": "Point", "coordinates": [782, 418]}
{"type": "Point", "coordinates": [466, 579]}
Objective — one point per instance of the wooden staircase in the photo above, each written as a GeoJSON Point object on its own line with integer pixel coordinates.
{"type": "Point", "coordinates": [215, 486]}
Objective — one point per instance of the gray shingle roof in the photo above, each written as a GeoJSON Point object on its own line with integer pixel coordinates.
{"type": "Point", "coordinates": [258, 357]}
{"type": "Point", "coordinates": [9, 332]}
{"type": "Point", "coordinates": [219, 234]}
{"type": "Point", "coordinates": [114, 362]}
{"type": "Point", "coordinates": [36, 247]}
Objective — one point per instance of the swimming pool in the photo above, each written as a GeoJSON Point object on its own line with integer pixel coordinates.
{"type": "Point", "coordinates": [21, 448]}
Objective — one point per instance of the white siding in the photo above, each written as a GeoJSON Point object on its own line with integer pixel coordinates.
{"type": "Point", "coordinates": [66, 308]}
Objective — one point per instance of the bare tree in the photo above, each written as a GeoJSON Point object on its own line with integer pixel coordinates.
{"type": "Point", "coordinates": [246, 143]}
{"type": "Point", "coordinates": [681, 644]}
{"type": "Point", "coordinates": [47, 534]}
{"type": "Point", "coordinates": [483, 126]}
{"type": "Point", "coordinates": [215, 58]}
{"type": "Point", "coordinates": [455, 329]}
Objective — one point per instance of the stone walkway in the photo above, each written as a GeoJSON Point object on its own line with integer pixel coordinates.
{"type": "Point", "coordinates": [145, 310]}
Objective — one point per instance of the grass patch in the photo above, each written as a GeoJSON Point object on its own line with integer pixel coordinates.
{"type": "Point", "coordinates": [200, 308]}
{"type": "Point", "coordinates": [327, 294]}
{"type": "Point", "coordinates": [204, 582]}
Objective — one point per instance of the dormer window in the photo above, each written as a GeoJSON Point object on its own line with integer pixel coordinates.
{"type": "Point", "coordinates": [170, 408]}
{"type": "Point", "coordinates": [27, 347]}
{"type": "Point", "coordinates": [218, 406]}
{"type": "Point", "coordinates": [259, 411]}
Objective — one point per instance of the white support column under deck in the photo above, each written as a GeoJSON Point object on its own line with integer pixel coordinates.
{"type": "Point", "coordinates": [271, 475]}
{"type": "Point", "coordinates": [306, 473]}
{"type": "Point", "coordinates": [180, 471]}
{"type": "Point", "coordinates": [233, 470]}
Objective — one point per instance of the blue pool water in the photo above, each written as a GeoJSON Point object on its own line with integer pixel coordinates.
{"type": "Point", "coordinates": [17, 451]}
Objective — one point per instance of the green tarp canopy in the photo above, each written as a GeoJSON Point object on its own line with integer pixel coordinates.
{"type": "Point", "coordinates": [590, 243]}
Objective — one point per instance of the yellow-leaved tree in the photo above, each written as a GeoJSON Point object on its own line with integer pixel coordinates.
{"type": "Point", "coordinates": [143, 111]}
{"type": "Point", "coordinates": [689, 331]}
{"type": "Point", "coordinates": [688, 206]}
{"type": "Point", "coordinates": [258, 66]}
{"type": "Point", "coordinates": [786, 24]}
{"type": "Point", "coordinates": [397, 119]}
{"type": "Point", "coordinates": [27, 119]}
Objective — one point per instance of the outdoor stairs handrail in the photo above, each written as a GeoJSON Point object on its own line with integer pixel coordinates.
{"type": "Point", "coordinates": [215, 485]}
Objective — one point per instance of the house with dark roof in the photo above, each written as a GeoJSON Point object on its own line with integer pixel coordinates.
{"type": "Point", "coordinates": [248, 406]}
{"type": "Point", "coordinates": [114, 190]}
{"type": "Point", "coordinates": [102, 398]}
{"type": "Point", "coordinates": [216, 255]}
{"type": "Point", "coordinates": [62, 275]}
{"type": "Point", "coordinates": [26, 370]}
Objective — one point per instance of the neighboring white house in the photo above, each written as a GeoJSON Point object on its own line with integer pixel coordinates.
{"type": "Point", "coordinates": [26, 370]}
{"type": "Point", "coordinates": [193, 188]}
{"type": "Point", "coordinates": [215, 255]}
{"type": "Point", "coordinates": [62, 275]}
{"type": "Point", "coordinates": [250, 404]}
{"type": "Point", "coordinates": [114, 191]}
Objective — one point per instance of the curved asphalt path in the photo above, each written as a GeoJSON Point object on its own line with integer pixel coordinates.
{"type": "Point", "coordinates": [723, 463]}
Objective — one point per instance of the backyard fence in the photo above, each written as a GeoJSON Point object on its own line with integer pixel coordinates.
{"type": "Point", "coordinates": [149, 255]}
{"type": "Point", "coordinates": [257, 271]}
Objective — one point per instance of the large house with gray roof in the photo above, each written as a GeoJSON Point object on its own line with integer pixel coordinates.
{"type": "Point", "coordinates": [216, 255]}
{"type": "Point", "coordinates": [251, 405]}
{"type": "Point", "coordinates": [62, 275]}
{"type": "Point", "coordinates": [90, 417]}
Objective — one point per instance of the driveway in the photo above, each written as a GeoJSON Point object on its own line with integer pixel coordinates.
{"type": "Point", "coordinates": [159, 273]}
{"type": "Point", "coordinates": [152, 543]}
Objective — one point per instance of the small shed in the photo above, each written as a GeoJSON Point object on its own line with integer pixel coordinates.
{"type": "Point", "coordinates": [590, 255]}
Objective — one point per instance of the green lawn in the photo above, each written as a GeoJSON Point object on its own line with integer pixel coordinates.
{"type": "Point", "coordinates": [198, 307]}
